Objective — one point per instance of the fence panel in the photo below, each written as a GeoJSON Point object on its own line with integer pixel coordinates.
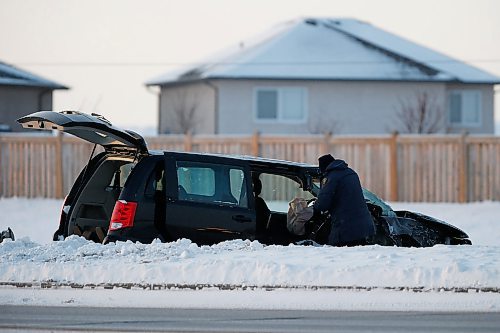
{"type": "Point", "coordinates": [370, 157]}
{"type": "Point", "coordinates": [27, 165]}
{"type": "Point", "coordinates": [483, 168]}
{"type": "Point", "coordinates": [431, 168]}
{"type": "Point", "coordinates": [304, 149]}
{"type": "Point", "coordinates": [166, 142]}
{"type": "Point", "coordinates": [235, 145]}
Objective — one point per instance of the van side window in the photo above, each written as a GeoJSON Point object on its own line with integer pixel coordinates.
{"type": "Point", "coordinates": [211, 183]}
{"type": "Point", "coordinates": [279, 190]}
{"type": "Point", "coordinates": [238, 186]}
{"type": "Point", "coordinates": [195, 180]}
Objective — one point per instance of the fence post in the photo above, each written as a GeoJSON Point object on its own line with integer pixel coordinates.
{"type": "Point", "coordinates": [59, 166]}
{"type": "Point", "coordinates": [325, 147]}
{"type": "Point", "coordinates": [463, 173]}
{"type": "Point", "coordinates": [394, 196]}
{"type": "Point", "coordinates": [255, 144]}
{"type": "Point", "coordinates": [188, 141]}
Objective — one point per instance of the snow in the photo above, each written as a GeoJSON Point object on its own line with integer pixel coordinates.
{"type": "Point", "coordinates": [329, 49]}
{"type": "Point", "coordinates": [10, 75]}
{"type": "Point", "coordinates": [446, 65]}
{"type": "Point", "coordinates": [247, 274]}
{"type": "Point", "coordinates": [307, 51]}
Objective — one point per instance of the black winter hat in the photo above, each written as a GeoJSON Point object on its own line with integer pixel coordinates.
{"type": "Point", "coordinates": [324, 161]}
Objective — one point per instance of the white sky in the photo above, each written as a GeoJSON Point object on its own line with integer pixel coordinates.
{"type": "Point", "coordinates": [106, 49]}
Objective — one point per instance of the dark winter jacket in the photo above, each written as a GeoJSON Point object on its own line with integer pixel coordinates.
{"type": "Point", "coordinates": [341, 195]}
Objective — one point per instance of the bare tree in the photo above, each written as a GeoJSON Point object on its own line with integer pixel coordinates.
{"type": "Point", "coordinates": [324, 124]}
{"type": "Point", "coordinates": [184, 111]}
{"type": "Point", "coordinates": [421, 115]}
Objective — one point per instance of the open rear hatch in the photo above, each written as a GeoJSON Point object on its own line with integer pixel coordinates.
{"type": "Point", "coordinates": [89, 205]}
{"type": "Point", "coordinates": [93, 128]}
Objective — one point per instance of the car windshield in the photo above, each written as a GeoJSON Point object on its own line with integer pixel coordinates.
{"type": "Point", "coordinates": [373, 199]}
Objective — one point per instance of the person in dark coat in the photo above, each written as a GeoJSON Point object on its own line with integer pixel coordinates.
{"type": "Point", "coordinates": [342, 196]}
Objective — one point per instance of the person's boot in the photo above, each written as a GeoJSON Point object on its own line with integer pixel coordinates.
{"type": "Point", "coordinates": [7, 234]}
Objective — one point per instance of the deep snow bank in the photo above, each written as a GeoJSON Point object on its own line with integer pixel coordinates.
{"type": "Point", "coordinates": [34, 258]}
{"type": "Point", "coordinates": [241, 263]}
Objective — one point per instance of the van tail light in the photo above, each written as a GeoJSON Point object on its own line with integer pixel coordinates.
{"type": "Point", "coordinates": [123, 215]}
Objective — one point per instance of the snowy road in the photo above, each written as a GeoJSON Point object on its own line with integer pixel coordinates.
{"type": "Point", "coordinates": [68, 319]}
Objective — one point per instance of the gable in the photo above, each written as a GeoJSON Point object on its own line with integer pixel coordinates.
{"type": "Point", "coordinates": [330, 49]}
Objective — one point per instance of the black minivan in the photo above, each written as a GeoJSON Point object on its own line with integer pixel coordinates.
{"type": "Point", "coordinates": [127, 192]}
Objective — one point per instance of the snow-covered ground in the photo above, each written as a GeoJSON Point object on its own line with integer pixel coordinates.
{"type": "Point", "coordinates": [444, 278]}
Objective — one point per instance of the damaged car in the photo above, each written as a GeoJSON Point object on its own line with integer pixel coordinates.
{"type": "Point", "coordinates": [128, 192]}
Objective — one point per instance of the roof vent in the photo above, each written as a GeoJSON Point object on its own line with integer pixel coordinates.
{"type": "Point", "coordinates": [194, 73]}
{"type": "Point", "coordinates": [311, 22]}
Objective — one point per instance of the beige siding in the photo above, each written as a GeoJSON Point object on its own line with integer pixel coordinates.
{"type": "Point", "coordinates": [366, 108]}
{"type": "Point", "coordinates": [16, 102]}
{"type": "Point", "coordinates": [338, 107]}
{"type": "Point", "coordinates": [198, 97]}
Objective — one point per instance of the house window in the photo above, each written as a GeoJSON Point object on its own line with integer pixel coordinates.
{"type": "Point", "coordinates": [464, 107]}
{"type": "Point", "coordinates": [284, 104]}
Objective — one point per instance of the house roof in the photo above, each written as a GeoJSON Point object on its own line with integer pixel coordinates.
{"type": "Point", "coordinates": [330, 49]}
{"type": "Point", "coordinates": [13, 76]}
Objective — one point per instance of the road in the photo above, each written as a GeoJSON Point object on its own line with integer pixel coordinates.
{"type": "Point", "coordinates": [86, 319]}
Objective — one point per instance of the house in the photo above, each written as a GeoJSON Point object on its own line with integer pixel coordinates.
{"type": "Point", "coordinates": [313, 75]}
{"type": "Point", "coordinates": [22, 93]}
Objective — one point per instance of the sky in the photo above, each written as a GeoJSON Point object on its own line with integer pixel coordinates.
{"type": "Point", "coordinates": [105, 50]}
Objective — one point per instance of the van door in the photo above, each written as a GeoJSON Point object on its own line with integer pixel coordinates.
{"type": "Point", "coordinates": [210, 201]}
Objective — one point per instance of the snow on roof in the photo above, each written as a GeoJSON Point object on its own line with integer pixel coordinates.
{"type": "Point", "coordinates": [13, 76]}
{"type": "Point", "coordinates": [330, 49]}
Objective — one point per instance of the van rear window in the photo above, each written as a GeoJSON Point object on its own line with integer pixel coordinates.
{"type": "Point", "coordinates": [121, 174]}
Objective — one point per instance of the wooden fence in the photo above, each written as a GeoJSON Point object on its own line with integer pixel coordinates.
{"type": "Point", "coordinates": [430, 168]}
